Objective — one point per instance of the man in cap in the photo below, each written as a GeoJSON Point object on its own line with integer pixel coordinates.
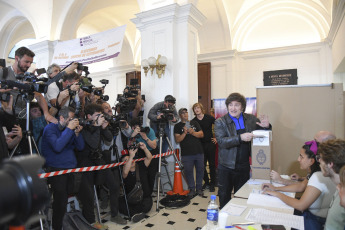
{"type": "Point", "coordinates": [161, 114]}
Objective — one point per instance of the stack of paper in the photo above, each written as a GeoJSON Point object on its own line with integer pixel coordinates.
{"type": "Point", "coordinates": [264, 216]}
{"type": "Point", "coordinates": [267, 201]}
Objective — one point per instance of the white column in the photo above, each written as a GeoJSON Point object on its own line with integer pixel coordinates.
{"type": "Point", "coordinates": [44, 52]}
{"type": "Point", "coordinates": [172, 32]}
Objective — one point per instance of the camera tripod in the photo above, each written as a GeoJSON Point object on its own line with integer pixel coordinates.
{"type": "Point", "coordinates": [158, 175]}
{"type": "Point", "coordinates": [27, 131]}
{"type": "Point", "coordinates": [29, 136]}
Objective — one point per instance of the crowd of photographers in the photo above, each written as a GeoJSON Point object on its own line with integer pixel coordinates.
{"type": "Point", "coordinates": [70, 123]}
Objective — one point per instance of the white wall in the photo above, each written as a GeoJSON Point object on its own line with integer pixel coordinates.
{"type": "Point", "coordinates": [243, 71]}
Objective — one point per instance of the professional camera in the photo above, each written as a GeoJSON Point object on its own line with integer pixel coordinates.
{"type": "Point", "coordinates": [99, 92]}
{"type": "Point", "coordinates": [126, 105]}
{"type": "Point", "coordinates": [84, 122]}
{"type": "Point", "coordinates": [71, 92]}
{"type": "Point", "coordinates": [83, 68]}
{"type": "Point", "coordinates": [145, 130]}
{"type": "Point", "coordinates": [116, 122]}
{"type": "Point", "coordinates": [30, 77]}
{"type": "Point", "coordinates": [168, 113]}
{"type": "Point", "coordinates": [132, 145]}
{"type": "Point", "coordinates": [23, 194]}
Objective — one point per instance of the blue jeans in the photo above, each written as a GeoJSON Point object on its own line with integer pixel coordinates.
{"type": "Point", "coordinates": [229, 179]}
{"type": "Point", "coordinates": [189, 162]}
{"type": "Point", "coordinates": [312, 221]}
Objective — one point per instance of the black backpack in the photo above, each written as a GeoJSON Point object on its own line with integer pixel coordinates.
{"type": "Point", "coordinates": [75, 221]}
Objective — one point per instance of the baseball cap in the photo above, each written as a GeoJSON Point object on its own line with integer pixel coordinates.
{"type": "Point", "coordinates": [182, 110]}
{"type": "Point", "coordinates": [170, 98]}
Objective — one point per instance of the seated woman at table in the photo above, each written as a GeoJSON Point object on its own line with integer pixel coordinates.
{"type": "Point", "coordinates": [318, 190]}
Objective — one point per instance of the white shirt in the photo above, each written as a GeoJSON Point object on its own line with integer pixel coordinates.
{"type": "Point", "coordinates": [327, 188]}
{"type": "Point", "coordinates": [53, 92]}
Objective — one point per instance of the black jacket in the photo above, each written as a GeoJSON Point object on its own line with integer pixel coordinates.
{"type": "Point", "coordinates": [228, 139]}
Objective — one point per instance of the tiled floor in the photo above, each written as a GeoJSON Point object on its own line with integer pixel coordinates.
{"type": "Point", "coordinates": [190, 217]}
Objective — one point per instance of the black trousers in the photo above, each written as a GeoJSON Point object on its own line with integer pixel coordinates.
{"type": "Point", "coordinates": [151, 172]}
{"type": "Point", "coordinates": [86, 193]}
{"type": "Point", "coordinates": [229, 179]}
{"type": "Point", "coordinates": [61, 186]}
{"type": "Point", "coordinates": [210, 157]}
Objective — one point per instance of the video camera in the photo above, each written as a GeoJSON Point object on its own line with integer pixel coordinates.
{"type": "Point", "coordinates": [29, 87]}
{"type": "Point", "coordinates": [168, 113]}
{"type": "Point", "coordinates": [116, 122]}
{"type": "Point", "coordinates": [127, 100]}
{"type": "Point", "coordinates": [86, 86]}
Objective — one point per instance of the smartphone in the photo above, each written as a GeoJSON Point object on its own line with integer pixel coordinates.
{"type": "Point", "coordinates": [5, 130]}
{"type": "Point", "coordinates": [41, 71]}
{"type": "Point", "coordinates": [187, 125]}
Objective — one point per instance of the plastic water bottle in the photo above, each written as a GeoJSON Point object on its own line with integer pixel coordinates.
{"type": "Point", "coordinates": [212, 214]}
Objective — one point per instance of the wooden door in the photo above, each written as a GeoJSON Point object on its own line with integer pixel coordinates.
{"type": "Point", "coordinates": [133, 75]}
{"type": "Point", "coordinates": [204, 85]}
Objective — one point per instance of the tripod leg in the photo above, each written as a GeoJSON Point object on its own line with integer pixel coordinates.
{"type": "Point", "coordinates": [97, 205]}
{"type": "Point", "coordinates": [122, 183]}
{"type": "Point", "coordinates": [13, 151]}
{"type": "Point", "coordinates": [33, 141]}
{"type": "Point", "coordinates": [159, 171]}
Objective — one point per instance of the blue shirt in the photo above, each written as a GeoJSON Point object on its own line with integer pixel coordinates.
{"type": "Point", "coordinates": [58, 146]}
{"type": "Point", "coordinates": [151, 135]}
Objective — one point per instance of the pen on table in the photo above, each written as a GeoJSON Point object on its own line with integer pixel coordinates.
{"type": "Point", "coordinates": [234, 227]}
{"type": "Point", "coordinates": [243, 223]}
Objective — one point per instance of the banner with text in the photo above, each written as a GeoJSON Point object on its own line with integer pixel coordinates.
{"type": "Point", "coordinates": [94, 48]}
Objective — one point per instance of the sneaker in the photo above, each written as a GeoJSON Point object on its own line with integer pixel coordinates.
{"type": "Point", "coordinates": [212, 189]}
{"type": "Point", "coordinates": [100, 226]}
{"type": "Point", "coordinates": [118, 219]}
{"type": "Point", "coordinates": [191, 193]}
{"type": "Point", "coordinates": [205, 186]}
{"type": "Point", "coordinates": [138, 217]}
{"type": "Point", "coordinates": [199, 192]}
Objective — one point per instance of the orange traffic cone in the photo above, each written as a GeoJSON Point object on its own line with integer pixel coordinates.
{"type": "Point", "coordinates": [178, 186]}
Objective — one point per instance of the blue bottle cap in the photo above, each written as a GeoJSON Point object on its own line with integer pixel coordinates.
{"type": "Point", "coordinates": [213, 197]}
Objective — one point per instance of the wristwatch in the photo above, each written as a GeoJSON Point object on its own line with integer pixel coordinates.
{"type": "Point", "coordinates": [147, 139]}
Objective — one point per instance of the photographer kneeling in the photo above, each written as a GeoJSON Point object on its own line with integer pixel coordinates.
{"type": "Point", "coordinates": [94, 131]}
{"type": "Point", "coordinates": [131, 171]}
{"type": "Point", "coordinates": [147, 136]}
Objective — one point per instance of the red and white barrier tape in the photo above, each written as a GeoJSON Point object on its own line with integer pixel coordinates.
{"type": "Point", "coordinates": [94, 168]}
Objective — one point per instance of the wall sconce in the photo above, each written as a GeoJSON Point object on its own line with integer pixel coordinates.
{"type": "Point", "coordinates": [153, 64]}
